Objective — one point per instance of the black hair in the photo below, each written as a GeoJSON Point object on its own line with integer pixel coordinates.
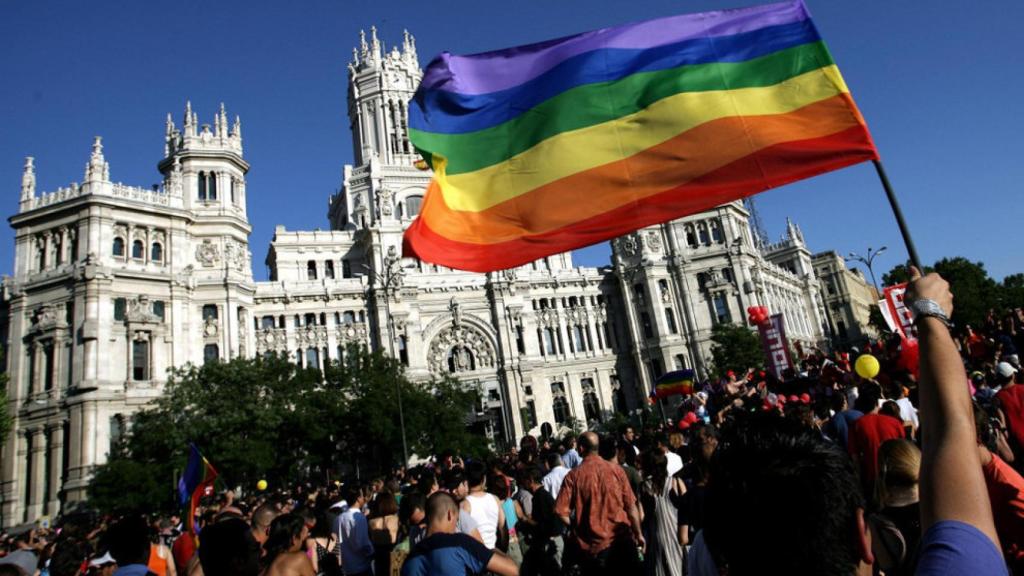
{"type": "Point", "coordinates": [553, 460]}
{"type": "Point", "coordinates": [451, 479]}
{"type": "Point", "coordinates": [868, 398]}
{"type": "Point", "coordinates": [781, 500]}
{"type": "Point", "coordinates": [322, 528]}
{"type": "Point", "coordinates": [476, 472]}
{"type": "Point", "coordinates": [606, 448]}
{"type": "Point", "coordinates": [228, 547]}
{"type": "Point", "coordinates": [410, 503]}
{"type": "Point", "coordinates": [68, 555]}
{"type": "Point", "coordinates": [129, 541]}
{"type": "Point", "coordinates": [283, 532]}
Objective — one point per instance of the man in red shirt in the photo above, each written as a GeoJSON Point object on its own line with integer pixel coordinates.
{"type": "Point", "coordinates": [1011, 405]}
{"type": "Point", "coordinates": [868, 433]}
{"type": "Point", "coordinates": [606, 513]}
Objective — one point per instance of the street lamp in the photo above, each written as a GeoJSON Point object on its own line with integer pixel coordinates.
{"type": "Point", "coordinates": [867, 261]}
{"type": "Point", "coordinates": [389, 281]}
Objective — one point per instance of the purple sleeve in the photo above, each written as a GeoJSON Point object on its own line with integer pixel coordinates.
{"type": "Point", "coordinates": [953, 548]}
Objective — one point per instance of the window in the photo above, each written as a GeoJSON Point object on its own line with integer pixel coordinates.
{"type": "Point", "coordinates": [140, 360]}
{"type": "Point", "coordinates": [831, 287]}
{"type": "Point", "coordinates": [529, 415]}
{"type": "Point", "coordinates": [329, 269]}
{"type": "Point", "coordinates": [349, 317]}
{"type": "Point", "coordinates": [138, 250]}
{"type": "Point", "coordinates": [158, 309]}
{"type": "Point", "coordinates": [312, 358]}
{"type": "Point", "coordinates": [691, 236]}
{"type": "Point", "coordinates": [231, 185]}
{"type": "Point", "coordinates": [412, 205]}
{"type": "Point", "coordinates": [645, 321]}
{"type": "Point", "coordinates": [520, 344]}
{"type": "Point", "coordinates": [702, 232]}
{"type": "Point", "coordinates": [309, 319]}
{"type": "Point", "coordinates": [581, 345]}
{"type": "Point", "coordinates": [727, 274]}
{"type": "Point", "coordinates": [58, 250]}
{"type": "Point", "coordinates": [716, 232]}
{"type": "Point", "coordinates": [670, 319]}
{"type": "Point", "coordinates": [680, 362]}
{"type": "Point", "coordinates": [118, 249]}
{"type": "Point", "coordinates": [202, 185]}
{"type": "Point", "coordinates": [842, 329]}
{"type": "Point", "coordinates": [120, 306]}
{"type": "Point", "coordinates": [211, 353]}
{"type": "Point", "coordinates": [48, 366]}
{"type": "Point", "coordinates": [311, 270]}
{"type": "Point", "coordinates": [549, 340]}
{"type": "Point", "coordinates": [656, 370]}
{"type": "Point", "coordinates": [213, 186]}
{"type": "Point", "coordinates": [346, 269]}
{"type": "Point", "coordinates": [591, 407]}
{"type": "Point", "coordinates": [267, 322]}
{"type": "Point", "coordinates": [638, 289]}
{"type": "Point", "coordinates": [209, 312]}
{"type": "Point", "coordinates": [722, 314]}
{"type": "Point", "coordinates": [559, 404]}
{"type": "Point", "coordinates": [403, 350]}
{"type": "Point", "coordinates": [156, 253]}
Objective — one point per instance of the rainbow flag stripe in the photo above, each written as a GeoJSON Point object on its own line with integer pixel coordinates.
{"type": "Point", "coordinates": [198, 474]}
{"type": "Point", "coordinates": [544, 148]}
{"type": "Point", "coordinates": [678, 382]}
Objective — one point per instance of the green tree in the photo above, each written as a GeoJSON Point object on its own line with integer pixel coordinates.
{"type": "Point", "coordinates": [735, 347]}
{"type": "Point", "coordinates": [266, 418]}
{"type": "Point", "coordinates": [1011, 291]}
{"type": "Point", "coordinates": [5, 416]}
{"type": "Point", "coordinates": [974, 292]}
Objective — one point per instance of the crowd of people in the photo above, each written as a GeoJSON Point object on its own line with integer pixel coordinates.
{"type": "Point", "coordinates": [914, 471]}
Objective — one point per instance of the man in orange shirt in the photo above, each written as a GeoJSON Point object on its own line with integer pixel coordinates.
{"type": "Point", "coordinates": [606, 522]}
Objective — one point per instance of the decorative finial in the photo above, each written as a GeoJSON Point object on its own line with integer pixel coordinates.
{"type": "Point", "coordinates": [188, 112]}
{"type": "Point", "coordinates": [28, 179]}
{"type": "Point", "coordinates": [237, 132]}
{"type": "Point", "coordinates": [363, 48]}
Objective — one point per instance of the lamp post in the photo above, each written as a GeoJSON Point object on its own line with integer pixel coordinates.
{"type": "Point", "coordinates": [389, 281]}
{"type": "Point", "coordinates": [867, 261]}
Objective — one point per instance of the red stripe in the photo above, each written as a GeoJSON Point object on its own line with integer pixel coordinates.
{"type": "Point", "coordinates": [767, 168]}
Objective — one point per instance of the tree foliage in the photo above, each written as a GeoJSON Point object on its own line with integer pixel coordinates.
{"type": "Point", "coordinates": [974, 291]}
{"type": "Point", "coordinates": [5, 415]}
{"type": "Point", "coordinates": [735, 347]}
{"type": "Point", "coordinates": [266, 418]}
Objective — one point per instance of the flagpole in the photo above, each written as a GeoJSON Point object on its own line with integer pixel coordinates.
{"type": "Point", "coordinates": [894, 203]}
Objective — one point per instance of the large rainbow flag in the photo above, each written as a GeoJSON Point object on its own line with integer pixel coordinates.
{"type": "Point", "coordinates": [552, 146]}
{"type": "Point", "coordinates": [677, 382]}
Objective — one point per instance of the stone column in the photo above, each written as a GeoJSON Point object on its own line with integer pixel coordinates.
{"type": "Point", "coordinates": [56, 458]}
{"type": "Point", "coordinates": [35, 479]}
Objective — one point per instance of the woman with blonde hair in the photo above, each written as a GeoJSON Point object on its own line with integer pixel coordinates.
{"type": "Point", "coordinates": [896, 527]}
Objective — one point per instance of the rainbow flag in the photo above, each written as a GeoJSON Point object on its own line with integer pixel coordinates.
{"type": "Point", "coordinates": [199, 474]}
{"type": "Point", "coordinates": [543, 148]}
{"type": "Point", "coordinates": [677, 382]}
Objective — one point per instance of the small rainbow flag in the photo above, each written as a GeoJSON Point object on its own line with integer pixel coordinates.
{"type": "Point", "coordinates": [199, 474]}
{"type": "Point", "coordinates": [677, 382]}
{"type": "Point", "coordinates": [544, 148]}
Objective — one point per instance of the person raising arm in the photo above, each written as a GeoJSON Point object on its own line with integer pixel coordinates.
{"type": "Point", "coordinates": [956, 516]}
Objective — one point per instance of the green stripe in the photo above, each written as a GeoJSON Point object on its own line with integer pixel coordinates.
{"type": "Point", "coordinates": [598, 103]}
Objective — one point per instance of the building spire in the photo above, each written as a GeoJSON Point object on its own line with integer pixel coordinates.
{"type": "Point", "coordinates": [28, 180]}
{"type": "Point", "coordinates": [237, 132]}
{"type": "Point", "coordinates": [375, 45]}
{"type": "Point", "coordinates": [364, 49]}
{"type": "Point", "coordinates": [97, 169]}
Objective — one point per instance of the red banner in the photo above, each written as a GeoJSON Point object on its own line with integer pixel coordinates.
{"type": "Point", "coordinates": [896, 314]}
{"type": "Point", "coordinates": [776, 348]}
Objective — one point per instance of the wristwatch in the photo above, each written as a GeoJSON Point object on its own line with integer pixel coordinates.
{"type": "Point", "coordinates": [925, 308]}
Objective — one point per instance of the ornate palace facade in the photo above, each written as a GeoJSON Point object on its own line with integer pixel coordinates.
{"type": "Point", "coordinates": [114, 284]}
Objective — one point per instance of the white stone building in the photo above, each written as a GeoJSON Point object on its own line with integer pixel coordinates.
{"type": "Point", "coordinates": [114, 284]}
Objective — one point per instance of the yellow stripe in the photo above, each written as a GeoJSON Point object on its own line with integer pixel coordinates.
{"type": "Point", "coordinates": [587, 148]}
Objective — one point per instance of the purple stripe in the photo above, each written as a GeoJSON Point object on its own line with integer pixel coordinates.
{"type": "Point", "coordinates": [501, 69]}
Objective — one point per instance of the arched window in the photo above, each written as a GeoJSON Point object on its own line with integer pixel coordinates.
{"type": "Point", "coordinates": [403, 350]}
{"type": "Point", "coordinates": [412, 205]}
{"type": "Point", "coordinates": [348, 317]}
{"type": "Point", "coordinates": [213, 186]}
{"type": "Point", "coordinates": [211, 353]}
{"type": "Point", "coordinates": [118, 249]}
{"type": "Point", "coordinates": [309, 319]}
{"type": "Point", "coordinates": [716, 232]}
{"type": "Point", "coordinates": [691, 236]}
{"type": "Point", "coordinates": [591, 407]}
{"type": "Point", "coordinates": [329, 269]}
{"type": "Point", "coordinates": [581, 343]}
{"type": "Point", "coordinates": [138, 250]}
{"type": "Point", "coordinates": [202, 185]}
{"type": "Point", "coordinates": [156, 253]}
{"type": "Point", "coordinates": [702, 233]}
{"type": "Point", "coordinates": [549, 340]}
{"type": "Point", "coordinates": [311, 270]}
{"type": "Point", "coordinates": [140, 360]}
{"type": "Point", "coordinates": [312, 358]}
{"type": "Point", "coordinates": [209, 311]}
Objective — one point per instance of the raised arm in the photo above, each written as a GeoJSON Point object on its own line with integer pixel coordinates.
{"type": "Point", "coordinates": [952, 485]}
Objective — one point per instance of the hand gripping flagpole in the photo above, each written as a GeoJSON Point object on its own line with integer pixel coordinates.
{"type": "Point", "coordinates": [894, 203]}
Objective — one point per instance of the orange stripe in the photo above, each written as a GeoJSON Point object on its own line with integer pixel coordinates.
{"type": "Point", "coordinates": [670, 164]}
{"type": "Point", "coordinates": [767, 168]}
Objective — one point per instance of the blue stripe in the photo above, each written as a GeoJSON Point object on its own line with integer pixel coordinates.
{"type": "Point", "coordinates": [445, 112]}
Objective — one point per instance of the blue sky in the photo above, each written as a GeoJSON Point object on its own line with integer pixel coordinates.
{"type": "Point", "coordinates": [937, 82]}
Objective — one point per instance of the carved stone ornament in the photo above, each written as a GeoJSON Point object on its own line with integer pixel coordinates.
{"type": "Point", "coordinates": [628, 245]}
{"type": "Point", "coordinates": [210, 328]}
{"type": "Point", "coordinates": [44, 318]}
{"type": "Point", "coordinates": [140, 309]}
{"type": "Point", "coordinates": [354, 332]}
{"type": "Point", "coordinates": [208, 254]}
{"type": "Point", "coordinates": [385, 200]}
{"type": "Point", "coordinates": [654, 241]}
{"type": "Point", "coordinates": [461, 348]}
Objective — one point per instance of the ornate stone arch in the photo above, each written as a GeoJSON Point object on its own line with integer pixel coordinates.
{"type": "Point", "coordinates": [460, 343]}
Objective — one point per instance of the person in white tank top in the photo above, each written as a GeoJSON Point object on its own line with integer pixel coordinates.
{"type": "Point", "coordinates": [483, 506]}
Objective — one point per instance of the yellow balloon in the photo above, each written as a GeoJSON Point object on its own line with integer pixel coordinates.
{"type": "Point", "coordinates": [867, 366]}
{"type": "Point", "coordinates": [261, 485]}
